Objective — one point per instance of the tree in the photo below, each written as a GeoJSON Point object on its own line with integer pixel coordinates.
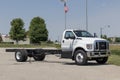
{"type": "Point", "coordinates": [17, 31]}
{"type": "Point", "coordinates": [27, 33]}
{"type": "Point", "coordinates": [117, 39]}
{"type": "Point", "coordinates": [104, 36]}
{"type": "Point", "coordinates": [37, 30]}
{"type": "Point", "coordinates": [0, 38]}
{"type": "Point", "coordinates": [109, 39]}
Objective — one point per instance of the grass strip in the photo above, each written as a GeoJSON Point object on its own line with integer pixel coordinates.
{"type": "Point", "coordinates": [114, 59]}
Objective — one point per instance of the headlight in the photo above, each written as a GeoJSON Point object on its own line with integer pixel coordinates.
{"type": "Point", "coordinates": [89, 46]}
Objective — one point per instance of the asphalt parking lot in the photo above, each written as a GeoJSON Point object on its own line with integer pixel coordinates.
{"type": "Point", "coordinates": [53, 68]}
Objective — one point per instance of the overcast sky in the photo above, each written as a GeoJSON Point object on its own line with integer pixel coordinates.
{"type": "Point", "coordinates": [101, 13]}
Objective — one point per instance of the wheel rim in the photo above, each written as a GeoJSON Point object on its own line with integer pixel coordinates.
{"type": "Point", "coordinates": [18, 55]}
{"type": "Point", "coordinates": [79, 57]}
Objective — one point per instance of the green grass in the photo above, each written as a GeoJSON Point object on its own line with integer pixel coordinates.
{"type": "Point", "coordinates": [115, 52]}
{"type": "Point", "coordinates": [114, 59]}
{"type": "Point", "coordinates": [42, 45]}
{"type": "Point", "coordinates": [115, 55]}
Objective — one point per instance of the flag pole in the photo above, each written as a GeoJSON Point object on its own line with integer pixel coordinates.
{"type": "Point", "coordinates": [65, 20]}
{"type": "Point", "coordinates": [65, 10]}
{"type": "Point", "coordinates": [65, 16]}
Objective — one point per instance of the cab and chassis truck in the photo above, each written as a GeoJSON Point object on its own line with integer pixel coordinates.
{"type": "Point", "coordinates": [78, 45]}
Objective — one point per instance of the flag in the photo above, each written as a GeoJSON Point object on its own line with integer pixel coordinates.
{"type": "Point", "coordinates": [65, 8]}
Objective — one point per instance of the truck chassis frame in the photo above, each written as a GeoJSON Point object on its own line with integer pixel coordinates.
{"type": "Point", "coordinates": [21, 55]}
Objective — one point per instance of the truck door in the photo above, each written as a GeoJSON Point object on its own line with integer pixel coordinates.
{"type": "Point", "coordinates": [67, 44]}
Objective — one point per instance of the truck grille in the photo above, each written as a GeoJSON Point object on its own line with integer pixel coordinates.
{"type": "Point", "coordinates": [100, 45]}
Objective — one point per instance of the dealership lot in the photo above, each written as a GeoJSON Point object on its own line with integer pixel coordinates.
{"type": "Point", "coordinates": [54, 68]}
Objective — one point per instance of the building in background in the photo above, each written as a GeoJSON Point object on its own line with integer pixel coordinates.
{"type": "Point", "coordinates": [6, 38]}
{"type": "Point", "coordinates": [115, 39]}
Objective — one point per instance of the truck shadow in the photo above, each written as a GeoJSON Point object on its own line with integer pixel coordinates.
{"type": "Point", "coordinates": [60, 62]}
{"type": "Point", "coordinates": [73, 63]}
{"type": "Point", "coordinates": [88, 64]}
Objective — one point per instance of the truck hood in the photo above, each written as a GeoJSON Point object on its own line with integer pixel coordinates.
{"type": "Point", "coordinates": [91, 40]}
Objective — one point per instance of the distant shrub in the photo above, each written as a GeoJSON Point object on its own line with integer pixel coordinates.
{"type": "Point", "coordinates": [0, 38]}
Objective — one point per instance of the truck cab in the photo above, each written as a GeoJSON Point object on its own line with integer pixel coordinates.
{"type": "Point", "coordinates": [81, 46]}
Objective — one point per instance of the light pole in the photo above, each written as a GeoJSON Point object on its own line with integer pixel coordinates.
{"type": "Point", "coordinates": [86, 15]}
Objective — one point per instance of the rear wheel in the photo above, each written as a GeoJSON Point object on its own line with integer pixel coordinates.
{"type": "Point", "coordinates": [39, 57]}
{"type": "Point", "coordinates": [102, 60]}
{"type": "Point", "coordinates": [21, 56]}
{"type": "Point", "coordinates": [80, 57]}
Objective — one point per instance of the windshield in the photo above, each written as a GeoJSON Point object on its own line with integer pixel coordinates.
{"type": "Point", "coordinates": [80, 33]}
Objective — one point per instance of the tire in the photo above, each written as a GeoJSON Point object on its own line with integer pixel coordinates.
{"type": "Point", "coordinates": [39, 57]}
{"type": "Point", "coordinates": [80, 57]}
{"type": "Point", "coordinates": [21, 56]}
{"type": "Point", "coordinates": [102, 60]}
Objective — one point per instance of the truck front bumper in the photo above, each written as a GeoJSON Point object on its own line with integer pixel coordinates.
{"type": "Point", "coordinates": [98, 54]}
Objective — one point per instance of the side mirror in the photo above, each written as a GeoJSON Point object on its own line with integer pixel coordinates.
{"type": "Point", "coordinates": [73, 37]}
{"type": "Point", "coordinates": [95, 35]}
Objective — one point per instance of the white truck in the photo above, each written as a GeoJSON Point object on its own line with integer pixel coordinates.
{"type": "Point", "coordinates": [78, 45]}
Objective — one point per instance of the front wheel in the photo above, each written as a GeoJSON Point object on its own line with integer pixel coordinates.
{"type": "Point", "coordinates": [102, 60]}
{"type": "Point", "coordinates": [80, 57]}
{"type": "Point", "coordinates": [21, 56]}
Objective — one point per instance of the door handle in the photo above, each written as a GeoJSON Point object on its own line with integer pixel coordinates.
{"type": "Point", "coordinates": [63, 41]}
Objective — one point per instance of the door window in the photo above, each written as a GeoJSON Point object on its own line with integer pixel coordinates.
{"type": "Point", "coordinates": [69, 34]}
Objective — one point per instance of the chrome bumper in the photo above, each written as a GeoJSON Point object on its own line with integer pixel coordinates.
{"type": "Point", "coordinates": [95, 54]}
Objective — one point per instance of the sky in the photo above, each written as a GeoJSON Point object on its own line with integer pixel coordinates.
{"type": "Point", "coordinates": [101, 14]}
